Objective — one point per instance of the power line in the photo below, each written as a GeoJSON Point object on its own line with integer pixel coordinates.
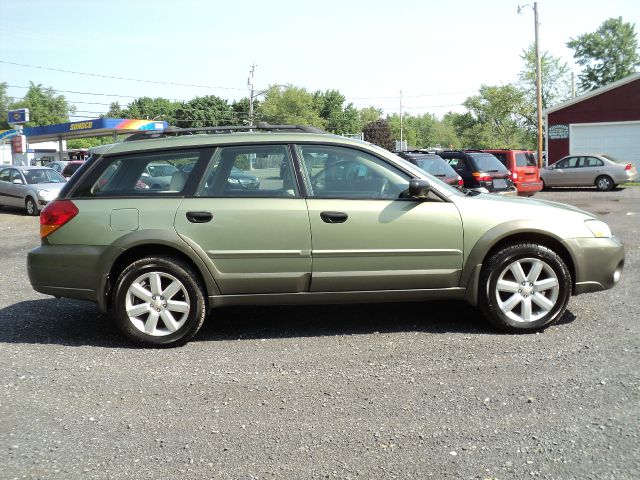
{"type": "Point", "coordinates": [113, 77]}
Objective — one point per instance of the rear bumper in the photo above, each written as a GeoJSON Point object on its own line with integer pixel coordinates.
{"type": "Point", "coordinates": [598, 263]}
{"type": "Point", "coordinates": [528, 188]}
{"type": "Point", "coordinates": [71, 271]}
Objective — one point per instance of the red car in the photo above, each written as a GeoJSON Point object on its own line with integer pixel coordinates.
{"type": "Point", "coordinates": [523, 167]}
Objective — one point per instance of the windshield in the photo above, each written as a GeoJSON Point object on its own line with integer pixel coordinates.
{"type": "Point", "coordinates": [486, 162]}
{"type": "Point", "coordinates": [42, 175]}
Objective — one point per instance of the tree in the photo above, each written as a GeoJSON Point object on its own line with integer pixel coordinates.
{"type": "Point", "coordinates": [496, 117]}
{"type": "Point", "coordinates": [555, 75]}
{"type": "Point", "coordinates": [369, 114]}
{"type": "Point", "coordinates": [338, 118]}
{"type": "Point", "coordinates": [606, 55]}
{"type": "Point", "coordinates": [290, 105]}
{"type": "Point", "coordinates": [379, 133]}
{"type": "Point", "coordinates": [5, 105]}
{"type": "Point", "coordinates": [45, 107]}
{"type": "Point", "coordinates": [146, 108]}
{"type": "Point", "coordinates": [207, 111]}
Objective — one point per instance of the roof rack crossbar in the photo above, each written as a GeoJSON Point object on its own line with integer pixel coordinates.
{"type": "Point", "coordinates": [260, 127]}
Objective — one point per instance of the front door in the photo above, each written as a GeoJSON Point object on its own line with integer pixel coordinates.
{"type": "Point", "coordinates": [364, 236]}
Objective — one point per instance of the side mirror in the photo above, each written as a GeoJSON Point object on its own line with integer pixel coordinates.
{"type": "Point", "coordinates": [419, 188]}
{"type": "Point", "coordinates": [17, 181]}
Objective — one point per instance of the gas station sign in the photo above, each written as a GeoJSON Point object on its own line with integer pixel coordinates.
{"type": "Point", "coordinates": [18, 117]}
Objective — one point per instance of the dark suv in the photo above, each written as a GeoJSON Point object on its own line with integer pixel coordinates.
{"type": "Point", "coordinates": [434, 164]}
{"type": "Point", "coordinates": [480, 171]}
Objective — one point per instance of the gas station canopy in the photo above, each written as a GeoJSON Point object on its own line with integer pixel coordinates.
{"type": "Point", "coordinates": [90, 128]}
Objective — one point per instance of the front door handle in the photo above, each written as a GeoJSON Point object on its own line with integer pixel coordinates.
{"type": "Point", "coordinates": [334, 217]}
{"type": "Point", "coordinates": [199, 217]}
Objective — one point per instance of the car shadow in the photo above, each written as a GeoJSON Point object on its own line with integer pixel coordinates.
{"type": "Point", "coordinates": [14, 211]}
{"type": "Point", "coordinates": [76, 323]}
{"type": "Point", "coordinates": [583, 189]}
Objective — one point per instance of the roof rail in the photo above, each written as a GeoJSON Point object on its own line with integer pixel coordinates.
{"type": "Point", "coordinates": [260, 127]}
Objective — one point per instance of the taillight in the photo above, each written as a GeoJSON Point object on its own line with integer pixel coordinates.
{"type": "Point", "coordinates": [55, 215]}
{"type": "Point", "coordinates": [514, 176]}
{"type": "Point", "coordinates": [628, 167]}
{"type": "Point", "coordinates": [460, 181]}
{"type": "Point", "coordinates": [481, 177]}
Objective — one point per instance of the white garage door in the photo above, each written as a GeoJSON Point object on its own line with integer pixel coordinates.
{"type": "Point", "coordinates": [620, 140]}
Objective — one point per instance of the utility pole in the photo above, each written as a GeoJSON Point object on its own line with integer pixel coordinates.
{"type": "Point", "coordinates": [250, 85]}
{"type": "Point", "coordinates": [538, 77]}
{"type": "Point", "coordinates": [538, 85]}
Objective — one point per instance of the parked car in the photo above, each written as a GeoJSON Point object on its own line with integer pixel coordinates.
{"type": "Point", "coordinates": [29, 187]}
{"type": "Point", "coordinates": [354, 224]}
{"type": "Point", "coordinates": [158, 175]}
{"type": "Point", "coordinates": [71, 168]}
{"type": "Point", "coordinates": [57, 165]}
{"type": "Point", "coordinates": [433, 164]}
{"type": "Point", "coordinates": [480, 171]}
{"type": "Point", "coordinates": [602, 171]}
{"type": "Point", "coordinates": [523, 167]}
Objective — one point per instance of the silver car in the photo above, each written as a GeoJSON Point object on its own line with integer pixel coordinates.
{"type": "Point", "coordinates": [29, 187]}
{"type": "Point", "coordinates": [602, 171]}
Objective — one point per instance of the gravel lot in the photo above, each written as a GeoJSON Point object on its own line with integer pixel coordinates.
{"type": "Point", "coordinates": [364, 391]}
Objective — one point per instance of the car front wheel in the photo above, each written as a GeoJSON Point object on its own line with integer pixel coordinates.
{"type": "Point", "coordinates": [31, 206]}
{"type": "Point", "coordinates": [524, 287]}
{"type": "Point", "coordinates": [159, 302]}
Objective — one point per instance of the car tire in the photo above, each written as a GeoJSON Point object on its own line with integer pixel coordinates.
{"type": "Point", "coordinates": [604, 183]}
{"type": "Point", "coordinates": [32, 206]}
{"type": "Point", "coordinates": [159, 302]}
{"type": "Point", "coordinates": [524, 287]}
{"type": "Point", "coordinates": [545, 187]}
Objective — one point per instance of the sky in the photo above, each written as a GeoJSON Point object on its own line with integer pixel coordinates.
{"type": "Point", "coordinates": [436, 53]}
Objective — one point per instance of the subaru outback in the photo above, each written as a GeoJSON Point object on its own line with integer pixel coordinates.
{"type": "Point", "coordinates": [346, 222]}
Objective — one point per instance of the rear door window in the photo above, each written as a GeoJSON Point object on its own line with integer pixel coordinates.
{"type": "Point", "coordinates": [525, 159]}
{"type": "Point", "coordinates": [250, 171]}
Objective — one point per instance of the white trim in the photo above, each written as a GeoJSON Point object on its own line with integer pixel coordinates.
{"type": "Point", "coordinates": [593, 93]}
{"type": "Point", "coordinates": [596, 124]}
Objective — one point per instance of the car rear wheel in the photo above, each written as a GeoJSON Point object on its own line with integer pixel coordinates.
{"type": "Point", "coordinates": [159, 302]}
{"type": "Point", "coordinates": [31, 206]}
{"type": "Point", "coordinates": [524, 287]}
{"type": "Point", "coordinates": [604, 183]}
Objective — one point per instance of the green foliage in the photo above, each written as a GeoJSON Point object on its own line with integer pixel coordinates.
{"type": "Point", "coordinates": [290, 105]}
{"type": "Point", "coordinates": [339, 119]}
{"type": "Point", "coordinates": [45, 107]}
{"type": "Point", "coordinates": [146, 108]}
{"type": "Point", "coordinates": [369, 114]}
{"type": "Point", "coordinates": [5, 102]}
{"type": "Point", "coordinates": [207, 111]}
{"type": "Point", "coordinates": [495, 118]}
{"type": "Point", "coordinates": [555, 75]}
{"type": "Point", "coordinates": [89, 142]}
{"type": "Point", "coordinates": [379, 133]}
{"type": "Point", "coordinates": [606, 55]}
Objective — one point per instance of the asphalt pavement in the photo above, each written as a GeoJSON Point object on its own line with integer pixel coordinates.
{"type": "Point", "coordinates": [424, 390]}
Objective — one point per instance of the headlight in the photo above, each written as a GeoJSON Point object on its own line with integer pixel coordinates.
{"type": "Point", "coordinates": [47, 195]}
{"type": "Point", "coordinates": [233, 180]}
{"type": "Point", "coordinates": [599, 229]}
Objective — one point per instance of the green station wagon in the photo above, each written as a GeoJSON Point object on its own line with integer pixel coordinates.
{"type": "Point", "coordinates": [331, 220]}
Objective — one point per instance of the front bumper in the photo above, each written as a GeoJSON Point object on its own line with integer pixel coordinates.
{"type": "Point", "coordinates": [598, 263]}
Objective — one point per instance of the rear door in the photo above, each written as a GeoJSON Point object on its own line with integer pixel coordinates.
{"type": "Point", "coordinates": [250, 221]}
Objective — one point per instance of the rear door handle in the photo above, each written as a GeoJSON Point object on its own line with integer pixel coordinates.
{"type": "Point", "coordinates": [199, 217]}
{"type": "Point", "coordinates": [334, 217]}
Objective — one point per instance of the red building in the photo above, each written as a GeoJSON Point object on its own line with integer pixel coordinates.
{"type": "Point", "coordinates": [605, 120]}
